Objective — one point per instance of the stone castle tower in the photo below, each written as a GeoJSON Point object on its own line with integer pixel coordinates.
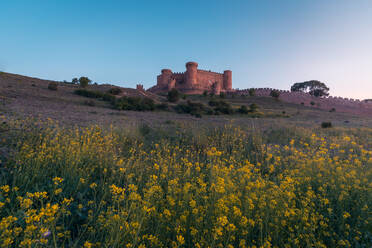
{"type": "Point", "coordinates": [193, 81]}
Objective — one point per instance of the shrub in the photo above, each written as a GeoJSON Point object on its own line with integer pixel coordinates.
{"type": "Point", "coordinates": [252, 92]}
{"type": "Point", "coordinates": [115, 91]}
{"type": "Point", "coordinates": [205, 93]}
{"type": "Point", "coordinates": [253, 107]}
{"type": "Point", "coordinates": [169, 122]}
{"type": "Point", "coordinates": [162, 106]}
{"type": "Point", "coordinates": [221, 107]}
{"type": "Point", "coordinates": [193, 108]}
{"type": "Point", "coordinates": [243, 109]}
{"type": "Point", "coordinates": [89, 93]}
{"type": "Point", "coordinates": [312, 103]}
{"type": "Point", "coordinates": [108, 97]}
{"type": "Point", "coordinates": [326, 124]}
{"type": "Point", "coordinates": [173, 95]}
{"type": "Point", "coordinates": [135, 103]}
{"type": "Point", "coordinates": [222, 95]}
{"type": "Point", "coordinates": [275, 94]}
{"type": "Point", "coordinates": [84, 81]}
{"type": "Point", "coordinates": [53, 86]}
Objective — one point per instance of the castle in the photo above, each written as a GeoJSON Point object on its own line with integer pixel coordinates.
{"type": "Point", "coordinates": [193, 81]}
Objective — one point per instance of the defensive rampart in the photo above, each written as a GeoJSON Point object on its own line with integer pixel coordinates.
{"type": "Point", "coordinates": [330, 103]}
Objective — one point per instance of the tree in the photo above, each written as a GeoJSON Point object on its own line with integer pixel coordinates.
{"type": "Point", "coordinates": [173, 95]}
{"type": "Point", "coordinates": [275, 94]}
{"type": "Point", "coordinates": [252, 92]}
{"type": "Point", "coordinates": [243, 109]}
{"type": "Point", "coordinates": [313, 87]}
{"type": "Point", "coordinates": [84, 81]}
{"type": "Point", "coordinates": [253, 107]}
{"type": "Point", "coordinates": [74, 81]}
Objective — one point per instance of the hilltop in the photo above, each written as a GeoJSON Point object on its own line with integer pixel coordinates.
{"type": "Point", "coordinates": [23, 97]}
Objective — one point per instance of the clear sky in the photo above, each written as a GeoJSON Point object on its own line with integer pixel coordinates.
{"type": "Point", "coordinates": [265, 43]}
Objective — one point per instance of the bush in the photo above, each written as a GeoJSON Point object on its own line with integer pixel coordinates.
{"type": "Point", "coordinates": [173, 95]}
{"type": "Point", "coordinates": [326, 124]}
{"type": "Point", "coordinates": [222, 95]}
{"type": "Point", "coordinates": [135, 103]}
{"type": "Point", "coordinates": [162, 106]}
{"type": "Point", "coordinates": [243, 109]}
{"type": "Point", "coordinates": [123, 103]}
{"type": "Point", "coordinates": [108, 97]}
{"type": "Point", "coordinates": [275, 93]}
{"type": "Point", "coordinates": [193, 108]}
{"type": "Point", "coordinates": [115, 91]}
{"type": "Point", "coordinates": [312, 103]}
{"type": "Point", "coordinates": [253, 107]}
{"type": "Point", "coordinates": [53, 86]}
{"type": "Point", "coordinates": [84, 81]}
{"type": "Point", "coordinates": [205, 93]}
{"type": "Point", "coordinates": [89, 93]}
{"type": "Point", "coordinates": [252, 92]}
{"type": "Point", "coordinates": [221, 107]}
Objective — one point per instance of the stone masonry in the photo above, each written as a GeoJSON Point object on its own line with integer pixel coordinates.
{"type": "Point", "coordinates": [193, 81]}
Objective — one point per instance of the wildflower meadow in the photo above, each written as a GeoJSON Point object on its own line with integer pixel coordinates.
{"type": "Point", "coordinates": [216, 187]}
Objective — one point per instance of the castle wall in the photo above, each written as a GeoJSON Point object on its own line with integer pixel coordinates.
{"type": "Point", "coordinates": [179, 77]}
{"type": "Point", "coordinates": [193, 80]}
{"type": "Point", "coordinates": [227, 80]}
{"type": "Point", "coordinates": [206, 79]}
{"type": "Point", "coordinates": [339, 104]}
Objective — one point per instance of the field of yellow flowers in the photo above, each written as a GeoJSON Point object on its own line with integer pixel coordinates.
{"type": "Point", "coordinates": [226, 187]}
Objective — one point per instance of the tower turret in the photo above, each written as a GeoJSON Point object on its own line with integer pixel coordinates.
{"type": "Point", "coordinates": [191, 74]}
{"type": "Point", "coordinates": [164, 78]}
{"type": "Point", "coordinates": [227, 80]}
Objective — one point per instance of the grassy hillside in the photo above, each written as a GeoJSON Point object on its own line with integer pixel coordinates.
{"type": "Point", "coordinates": [82, 174]}
{"type": "Point", "coordinates": [29, 97]}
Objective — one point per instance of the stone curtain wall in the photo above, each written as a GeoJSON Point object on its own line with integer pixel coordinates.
{"type": "Point", "coordinates": [207, 78]}
{"type": "Point", "coordinates": [327, 103]}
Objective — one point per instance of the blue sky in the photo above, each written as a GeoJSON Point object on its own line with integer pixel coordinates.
{"type": "Point", "coordinates": [265, 43]}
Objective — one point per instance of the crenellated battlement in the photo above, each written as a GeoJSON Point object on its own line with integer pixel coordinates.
{"type": "Point", "coordinates": [208, 71]}
{"type": "Point", "coordinates": [178, 73]}
{"type": "Point", "coordinates": [340, 104]}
